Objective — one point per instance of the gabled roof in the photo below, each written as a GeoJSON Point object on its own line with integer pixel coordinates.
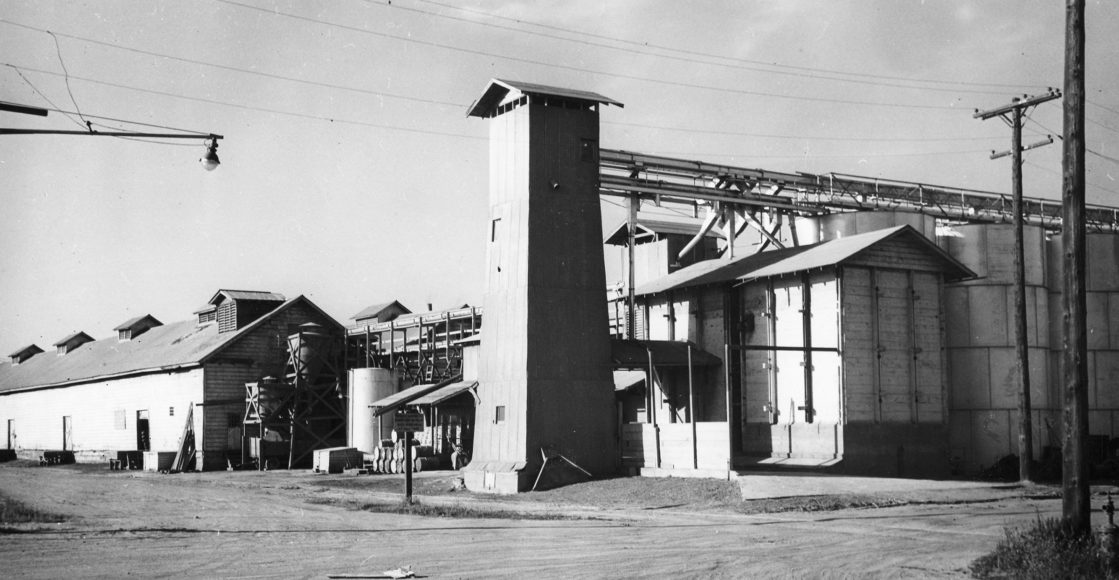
{"type": "Point", "coordinates": [840, 250]}
{"type": "Point", "coordinates": [164, 348]}
{"type": "Point", "coordinates": [498, 89]}
{"type": "Point", "coordinates": [146, 320]}
{"type": "Point", "coordinates": [376, 310]}
{"type": "Point", "coordinates": [221, 295]}
{"type": "Point", "coordinates": [653, 227]}
{"type": "Point", "coordinates": [798, 259]}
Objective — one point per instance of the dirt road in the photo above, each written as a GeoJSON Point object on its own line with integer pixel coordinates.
{"type": "Point", "coordinates": [289, 525]}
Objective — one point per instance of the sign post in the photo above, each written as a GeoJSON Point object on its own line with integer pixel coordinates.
{"type": "Point", "coordinates": [406, 424]}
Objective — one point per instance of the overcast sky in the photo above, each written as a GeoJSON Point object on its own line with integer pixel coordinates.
{"type": "Point", "coordinates": [350, 173]}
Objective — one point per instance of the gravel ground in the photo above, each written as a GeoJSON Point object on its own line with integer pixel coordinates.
{"type": "Point", "coordinates": [299, 525]}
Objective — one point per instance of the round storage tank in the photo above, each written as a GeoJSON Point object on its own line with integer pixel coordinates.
{"type": "Point", "coordinates": [811, 230]}
{"type": "Point", "coordinates": [1102, 301]}
{"type": "Point", "coordinates": [368, 386]}
{"type": "Point", "coordinates": [980, 339]}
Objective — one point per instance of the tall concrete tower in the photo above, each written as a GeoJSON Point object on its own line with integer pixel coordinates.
{"type": "Point", "coordinates": [544, 368]}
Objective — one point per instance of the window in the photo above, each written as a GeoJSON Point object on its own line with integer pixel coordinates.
{"type": "Point", "coordinates": [119, 421]}
{"type": "Point", "coordinates": [171, 412]}
{"type": "Point", "coordinates": [499, 414]}
{"type": "Point", "coordinates": [588, 150]}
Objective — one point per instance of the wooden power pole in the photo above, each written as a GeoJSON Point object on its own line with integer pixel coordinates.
{"type": "Point", "coordinates": [1013, 114]}
{"type": "Point", "coordinates": [1076, 510]}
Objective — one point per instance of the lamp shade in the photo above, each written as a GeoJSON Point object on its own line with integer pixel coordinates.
{"type": "Point", "coordinates": [210, 160]}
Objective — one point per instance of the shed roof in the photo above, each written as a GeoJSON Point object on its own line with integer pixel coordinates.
{"type": "Point", "coordinates": [626, 380]}
{"type": "Point", "coordinates": [498, 89]}
{"type": "Point", "coordinates": [447, 392]}
{"type": "Point", "coordinates": [412, 394]}
{"type": "Point", "coordinates": [652, 227]}
{"type": "Point", "coordinates": [634, 354]}
{"type": "Point", "coordinates": [163, 348]}
{"type": "Point", "coordinates": [715, 271]}
{"type": "Point", "coordinates": [75, 337]}
{"type": "Point", "coordinates": [32, 348]}
{"type": "Point", "coordinates": [797, 259]}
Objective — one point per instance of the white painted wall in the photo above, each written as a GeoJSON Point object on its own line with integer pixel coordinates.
{"type": "Point", "coordinates": [96, 410]}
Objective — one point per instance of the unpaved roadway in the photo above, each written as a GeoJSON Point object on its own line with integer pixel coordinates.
{"type": "Point", "coordinates": [287, 525]}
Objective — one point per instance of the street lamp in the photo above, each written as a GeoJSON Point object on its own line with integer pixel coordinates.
{"type": "Point", "coordinates": [209, 161]}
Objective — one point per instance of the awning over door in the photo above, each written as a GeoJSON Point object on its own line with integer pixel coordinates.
{"type": "Point", "coordinates": [634, 354]}
{"type": "Point", "coordinates": [421, 395]}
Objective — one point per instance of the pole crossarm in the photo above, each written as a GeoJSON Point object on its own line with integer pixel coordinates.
{"type": "Point", "coordinates": [657, 179]}
{"type": "Point", "coordinates": [1024, 103]}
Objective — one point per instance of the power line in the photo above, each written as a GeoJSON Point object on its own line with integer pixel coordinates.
{"type": "Point", "coordinates": [58, 51]}
{"type": "Point", "coordinates": [587, 70]}
{"type": "Point", "coordinates": [709, 55]}
{"type": "Point", "coordinates": [398, 6]}
{"type": "Point", "coordinates": [431, 101]}
{"type": "Point", "coordinates": [1089, 150]}
{"type": "Point", "coordinates": [54, 108]}
{"type": "Point", "coordinates": [43, 96]}
{"type": "Point", "coordinates": [231, 68]}
{"type": "Point", "coordinates": [1094, 104]}
{"type": "Point", "coordinates": [690, 154]}
{"type": "Point", "coordinates": [251, 108]}
{"type": "Point", "coordinates": [799, 137]}
{"type": "Point", "coordinates": [1059, 174]}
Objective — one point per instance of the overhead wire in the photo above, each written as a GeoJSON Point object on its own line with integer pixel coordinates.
{"type": "Point", "coordinates": [817, 155]}
{"type": "Point", "coordinates": [58, 50]}
{"type": "Point", "coordinates": [230, 68]}
{"type": "Point", "coordinates": [252, 108]}
{"type": "Point", "coordinates": [434, 101]}
{"type": "Point", "coordinates": [1058, 173]}
{"type": "Point", "coordinates": [665, 82]}
{"type": "Point", "coordinates": [706, 54]}
{"type": "Point", "coordinates": [1062, 138]}
{"type": "Point", "coordinates": [814, 138]}
{"type": "Point", "coordinates": [44, 96]}
{"type": "Point", "coordinates": [343, 87]}
{"type": "Point", "coordinates": [692, 60]}
{"type": "Point", "coordinates": [89, 126]}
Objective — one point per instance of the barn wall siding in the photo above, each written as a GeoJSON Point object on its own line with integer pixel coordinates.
{"type": "Point", "coordinates": [96, 410]}
{"type": "Point", "coordinates": [260, 353]}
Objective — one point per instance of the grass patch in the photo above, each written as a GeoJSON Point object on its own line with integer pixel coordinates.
{"type": "Point", "coordinates": [417, 508]}
{"type": "Point", "coordinates": [14, 512]}
{"type": "Point", "coordinates": [642, 492]}
{"type": "Point", "coordinates": [1045, 550]}
{"type": "Point", "coordinates": [819, 503]}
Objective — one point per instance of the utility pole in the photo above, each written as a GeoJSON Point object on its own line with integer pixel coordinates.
{"type": "Point", "coordinates": [1012, 114]}
{"type": "Point", "coordinates": [631, 276]}
{"type": "Point", "coordinates": [1076, 510]}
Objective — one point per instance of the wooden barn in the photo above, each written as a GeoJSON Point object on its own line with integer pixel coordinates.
{"type": "Point", "coordinates": [834, 353]}
{"type": "Point", "coordinates": [134, 391]}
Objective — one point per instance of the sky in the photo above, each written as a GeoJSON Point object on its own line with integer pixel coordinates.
{"type": "Point", "coordinates": [351, 175]}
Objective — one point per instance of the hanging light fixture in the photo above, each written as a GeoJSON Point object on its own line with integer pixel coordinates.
{"type": "Point", "coordinates": [210, 160]}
